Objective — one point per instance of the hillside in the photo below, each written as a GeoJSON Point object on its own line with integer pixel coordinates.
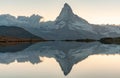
{"type": "Point", "coordinates": [12, 33]}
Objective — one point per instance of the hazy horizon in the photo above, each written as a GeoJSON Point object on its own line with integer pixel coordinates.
{"type": "Point", "coordinates": [94, 11]}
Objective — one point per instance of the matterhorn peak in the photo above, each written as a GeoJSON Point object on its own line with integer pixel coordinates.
{"type": "Point", "coordinates": [67, 8]}
{"type": "Point", "coordinates": [66, 12]}
{"type": "Point", "coordinates": [67, 18]}
{"type": "Point", "coordinates": [66, 4]}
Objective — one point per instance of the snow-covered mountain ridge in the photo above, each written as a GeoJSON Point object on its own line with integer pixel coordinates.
{"type": "Point", "coordinates": [66, 26]}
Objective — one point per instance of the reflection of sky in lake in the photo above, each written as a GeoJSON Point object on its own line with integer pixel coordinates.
{"type": "Point", "coordinates": [76, 60]}
{"type": "Point", "coordinates": [88, 68]}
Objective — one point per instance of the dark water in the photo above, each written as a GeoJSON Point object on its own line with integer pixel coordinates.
{"type": "Point", "coordinates": [60, 60]}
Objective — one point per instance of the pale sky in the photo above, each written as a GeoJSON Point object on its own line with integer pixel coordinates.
{"type": "Point", "coordinates": [94, 11]}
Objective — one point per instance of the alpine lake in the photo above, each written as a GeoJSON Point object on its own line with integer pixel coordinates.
{"type": "Point", "coordinates": [60, 59]}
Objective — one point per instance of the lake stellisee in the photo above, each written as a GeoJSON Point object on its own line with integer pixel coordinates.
{"type": "Point", "coordinates": [60, 60]}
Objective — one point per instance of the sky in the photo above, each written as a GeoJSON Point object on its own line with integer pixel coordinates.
{"type": "Point", "coordinates": [94, 11]}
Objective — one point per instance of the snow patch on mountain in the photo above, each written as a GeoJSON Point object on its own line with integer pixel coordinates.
{"type": "Point", "coordinates": [9, 20]}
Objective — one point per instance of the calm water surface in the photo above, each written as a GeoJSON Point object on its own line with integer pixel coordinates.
{"type": "Point", "coordinates": [60, 60]}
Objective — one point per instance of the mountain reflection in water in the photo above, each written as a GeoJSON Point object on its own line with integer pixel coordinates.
{"type": "Point", "coordinates": [66, 53]}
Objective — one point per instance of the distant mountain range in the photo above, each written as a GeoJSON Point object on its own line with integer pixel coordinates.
{"type": "Point", "coordinates": [66, 26]}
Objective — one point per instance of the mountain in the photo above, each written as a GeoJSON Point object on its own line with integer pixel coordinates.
{"type": "Point", "coordinates": [9, 20]}
{"type": "Point", "coordinates": [16, 32]}
{"type": "Point", "coordinates": [68, 19]}
{"type": "Point", "coordinates": [70, 26]}
{"type": "Point", "coordinates": [67, 26]}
